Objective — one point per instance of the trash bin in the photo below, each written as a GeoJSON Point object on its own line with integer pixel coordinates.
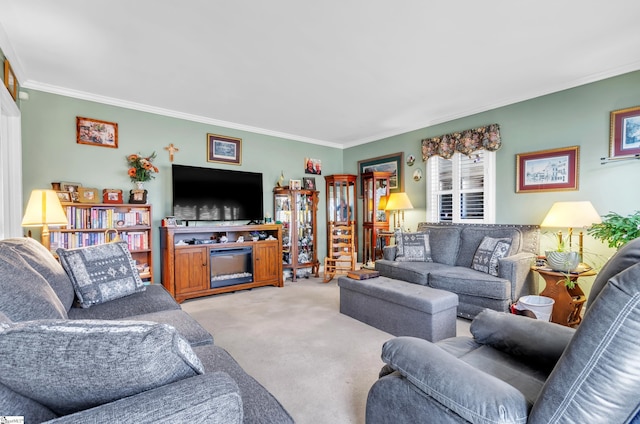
{"type": "Point", "coordinates": [541, 306]}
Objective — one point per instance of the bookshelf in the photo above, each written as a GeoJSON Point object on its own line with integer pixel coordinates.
{"type": "Point", "coordinates": [94, 223]}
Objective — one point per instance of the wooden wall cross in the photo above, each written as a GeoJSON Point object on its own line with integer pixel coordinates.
{"type": "Point", "coordinates": [171, 149]}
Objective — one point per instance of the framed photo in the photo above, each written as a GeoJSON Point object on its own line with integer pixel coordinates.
{"type": "Point", "coordinates": [138, 197]}
{"type": "Point", "coordinates": [295, 184]}
{"type": "Point", "coordinates": [312, 166]}
{"type": "Point", "coordinates": [10, 80]}
{"type": "Point", "coordinates": [169, 221]}
{"type": "Point", "coordinates": [548, 170]}
{"type": "Point", "coordinates": [389, 163]}
{"type": "Point", "coordinates": [71, 188]}
{"type": "Point", "coordinates": [96, 133]}
{"type": "Point", "coordinates": [222, 149]}
{"type": "Point", "coordinates": [111, 195]}
{"type": "Point", "coordinates": [64, 196]}
{"type": "Point", "coordinates": [624, 138]}
{"type": "Point", "coordinates": [309, 183]}
{"type": "Point", "coordinates": [88, 195]}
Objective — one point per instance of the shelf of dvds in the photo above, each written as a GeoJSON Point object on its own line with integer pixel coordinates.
{"type": "Point", "coordinates": [94, 223]}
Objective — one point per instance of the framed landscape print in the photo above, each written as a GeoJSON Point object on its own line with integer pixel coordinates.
{"type": "Point", "coordinates": [224, 149]}
{"type": "Point", "coordinates": [547, 170]}
{"type": "Point", "coordinates": [624, 138]}
{"type": "Point", "coordinates": [388, 163]}
{"type": "Point", "coordinates": [96, 132]}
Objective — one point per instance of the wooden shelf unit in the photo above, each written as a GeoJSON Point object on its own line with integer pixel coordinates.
{"type": "Point", "coordinates": [90, 224]}
{"type": "Point", "coordinates": [186, 268]}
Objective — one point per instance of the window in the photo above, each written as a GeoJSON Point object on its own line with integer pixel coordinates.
{"type": "Point", "coordinates": [461, 189]}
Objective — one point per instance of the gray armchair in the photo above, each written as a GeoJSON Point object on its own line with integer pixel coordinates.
{"type": "Point", "coordinates": [519, 370]}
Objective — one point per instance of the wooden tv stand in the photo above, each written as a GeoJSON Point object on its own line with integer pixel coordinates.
{"type": "Point", "coordinates": [186, 268]}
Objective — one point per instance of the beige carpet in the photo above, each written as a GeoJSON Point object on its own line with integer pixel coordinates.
{"type": "Point", "coordinates": [317, 362]}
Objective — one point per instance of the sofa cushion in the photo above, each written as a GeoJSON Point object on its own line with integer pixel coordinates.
{"type": "Point", "coordinates": [626, 256]}
{"type": "Point", "coordinates": [24, 294]}
{"type": "Point", "coordinates": [101, 273]}
{"type": "Point", "coordinates": [188, 327]}
{"type": "Point", "coordinates": [444, 243]}
{"type": "Point", "coordinates": [43, 262]}
{"type": "Point", "coordinates": [15, 405]}
{"type": "Point", "coordinates": [471, 237]}
{"type": "Point", "coordinates": [154, 299]}
{"type": "Point", "coordinates": [413, 272]}
{"type": "Point", "coordinates": [73, 365]}
{"type": "Point", "coordinates": [462, 280]}
{"type": "Point", "coordinates": [412, 247]}
{"type": "Point", "coordinates": [490, 250]}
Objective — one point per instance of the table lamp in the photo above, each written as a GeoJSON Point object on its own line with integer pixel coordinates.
{"type": "Point", "coordinates": [398, 203]}
{"type": "Point", "coordinates": [572, 215]}
{"type": "Point", "coordinates": [44, 209]}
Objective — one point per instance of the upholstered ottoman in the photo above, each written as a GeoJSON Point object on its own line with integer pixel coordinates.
{"type": "Point", "coordinates": [399, 307]}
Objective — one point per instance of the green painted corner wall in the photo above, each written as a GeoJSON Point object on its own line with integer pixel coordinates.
{"type": "Point", "coordinates": [578, 116]}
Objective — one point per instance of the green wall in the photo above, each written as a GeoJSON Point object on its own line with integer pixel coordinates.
{"type": "Point", "coordinates": [578, 116]}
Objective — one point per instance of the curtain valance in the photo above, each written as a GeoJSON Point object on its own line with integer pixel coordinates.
{"type": "Point", "coordinates": [465, 142]}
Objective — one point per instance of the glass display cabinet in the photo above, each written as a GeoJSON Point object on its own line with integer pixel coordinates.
{"type": "Point", "coordinates": [296, 210]}
{"type": "Point", "coordinates": [375, 189]}
{"type": "Point", "coordinates": [341, 201]}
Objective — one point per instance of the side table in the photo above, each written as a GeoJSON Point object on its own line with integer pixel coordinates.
{"type": "Point", "coordinates": [568, 302]}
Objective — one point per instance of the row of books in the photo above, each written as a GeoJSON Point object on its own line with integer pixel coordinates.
{"type": "Point", "coordinates": [91, 218]}
{"type": "Point", "coordinates": [136, 240]}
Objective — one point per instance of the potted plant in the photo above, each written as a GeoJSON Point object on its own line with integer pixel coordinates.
{"type": "Point", "coordinates": [562, 259]}
{"type": "Point", "coordinates": [616, 230]}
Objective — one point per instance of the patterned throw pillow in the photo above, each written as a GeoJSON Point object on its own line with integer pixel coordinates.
{"type": "Point", "coordinates": [490, 250]}
{"type": "Point", "coordinates": [101, 273]}
{"type": "Point", "coordinates": [72, 365]}
{"type": "Point", "coordinates": [412, 247]}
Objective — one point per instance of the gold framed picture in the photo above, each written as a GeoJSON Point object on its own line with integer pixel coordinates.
{"type": "Point", "coordinates": [96, 132]}
{"type": "Point", "coordinates": [10, 80]}
{"type": "Point", "coordinates": [88, 195]}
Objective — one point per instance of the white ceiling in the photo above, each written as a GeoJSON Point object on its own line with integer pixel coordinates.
{"type": "Point", "coordinates": [333, 72]}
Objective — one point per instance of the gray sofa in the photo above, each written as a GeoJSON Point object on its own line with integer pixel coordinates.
{"type": "Point", "coordinates": [521, 370]}
{"type": "Point", "coordinates": [136, 358]}
{"type": "Point", "coordinates": [452, 261]}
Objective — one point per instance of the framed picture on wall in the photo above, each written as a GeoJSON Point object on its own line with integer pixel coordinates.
{"type": "Point", "coordinates": [388, 163]}
{"type": "Point", "coordinates": [624, 138]}
{"type": "Point", "coordinates": [548, 170]}
{"type": "Point", "coordinates": [10, 80]}
{"type": "Point", "coordinates": [96, 132]}
{"type": "Point", "coordinates": [222, 149]}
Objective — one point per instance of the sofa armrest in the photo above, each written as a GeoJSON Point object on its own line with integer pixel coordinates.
{"type": "Point", "coordinates": [517, 269]}
{"type": "Point", "coordinates": [389, 253]}
{"type": "Point", "coordinates": [206, 398]}
{"type": "Point", "coordinates": [456, 385]}
{"type": "Point", "coordinates": [541, 343]}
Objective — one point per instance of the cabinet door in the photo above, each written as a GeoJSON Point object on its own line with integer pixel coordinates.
{"type": "Point", "coordinates": [305, 237]}
{"type": "Point", "coordinates": [282, 211]}
{"type": "Point", "coordinates": [191, 270]}
{"type": "Point", "coordinates": [265, 262]}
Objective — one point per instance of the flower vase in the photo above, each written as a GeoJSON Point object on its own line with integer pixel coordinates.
{"type": "Point", "coordinates": [139, 185]}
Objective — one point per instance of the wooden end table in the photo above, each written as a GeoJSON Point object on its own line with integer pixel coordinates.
{"type": "Point", "coordinates": [568, 302]}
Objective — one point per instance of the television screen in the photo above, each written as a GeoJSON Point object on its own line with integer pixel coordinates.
{"type": "Point", "coordinates": [209, 194]}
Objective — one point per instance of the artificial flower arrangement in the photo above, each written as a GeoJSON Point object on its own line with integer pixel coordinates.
{"type": "Point", "coordinates": [141, 168]}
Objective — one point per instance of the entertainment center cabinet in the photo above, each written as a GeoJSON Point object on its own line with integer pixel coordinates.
{"type": "Point", "coordinates": [197, 261]}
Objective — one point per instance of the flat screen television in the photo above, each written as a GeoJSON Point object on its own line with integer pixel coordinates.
{"type": "Point", "coordinates": [210, 194]}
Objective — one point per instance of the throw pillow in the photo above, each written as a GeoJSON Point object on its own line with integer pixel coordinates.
{"type": "Point", "coordinates": [71, 365]}
{"type": "Point", "coordinates": [412, 247]}
{"type": "Point", "coordinates": [101, 273]}
{"type": "Point", "coordinates": [490, 250]}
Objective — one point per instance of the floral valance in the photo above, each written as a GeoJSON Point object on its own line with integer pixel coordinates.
{"type": "Point", "coordinates": [465, 142]}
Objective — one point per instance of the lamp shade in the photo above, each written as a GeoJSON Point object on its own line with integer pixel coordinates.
{"type": "Point", "coordinates": [382, 204]}
{"type": "Point", "coordinates": [398, 201]}
{"type": "Point", "coordinates": [44, 208]}
{"type": "Point", "coordinates": [572, 215]}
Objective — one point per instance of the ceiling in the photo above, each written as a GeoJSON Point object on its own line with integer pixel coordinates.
{"type": "Point", "coordinates": [332, 72]}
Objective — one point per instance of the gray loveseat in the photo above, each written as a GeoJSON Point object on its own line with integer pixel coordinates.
{"type": "Point", "coordinates": [493, 277]}
{"type": "Point", "coordinates": [521, 370]}
{"type": "Point", "coordinates": [136, 358]}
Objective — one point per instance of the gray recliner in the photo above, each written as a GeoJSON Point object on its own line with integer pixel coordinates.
{"type": "Point", "coordinates": [520, 370]}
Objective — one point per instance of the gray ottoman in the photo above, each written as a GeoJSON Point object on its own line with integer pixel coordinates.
{"type": "Point", "coordinates": [399, 307]}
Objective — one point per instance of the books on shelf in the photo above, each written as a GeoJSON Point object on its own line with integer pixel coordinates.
{"type": "Point", "coordinates": [98, 217]}
{"type": "Point", "coordinates": [136, 240]}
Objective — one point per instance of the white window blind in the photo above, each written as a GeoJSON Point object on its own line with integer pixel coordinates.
{"type": "Point", "coordinates": [461, 189]}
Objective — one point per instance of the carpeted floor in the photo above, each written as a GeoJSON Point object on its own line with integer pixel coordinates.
{"type": "Point", "coordinates": [317, 362]}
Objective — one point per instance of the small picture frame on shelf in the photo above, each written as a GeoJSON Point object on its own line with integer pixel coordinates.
{"type": "Point", "coordinates": [88, 195]}
{"type": "Point", "coordinates": [309, 183]}
{"type": "Point", "coordinates": [169, 221]}
{"type": "Point", "coordinates": [295, 184]}
{"type": "Point", "coordinates": [112, 195]}
{"type": "Point", "coordinates": [64, 196]}
{"type": "Point", "coordinates": [71, 188]}
{"type": "Point", "coordinates": [138, 197]}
